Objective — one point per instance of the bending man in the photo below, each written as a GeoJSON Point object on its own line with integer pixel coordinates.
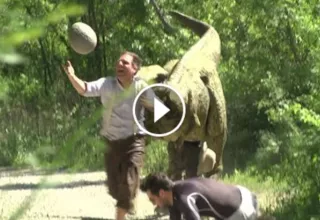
{"type": "Point", "coordinates": [195, 197]}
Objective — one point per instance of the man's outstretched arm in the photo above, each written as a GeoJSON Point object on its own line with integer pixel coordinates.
{"type": "Point", "coordinates": [90, 89]}
{"type": "Point", "coordinates": [77, 83]}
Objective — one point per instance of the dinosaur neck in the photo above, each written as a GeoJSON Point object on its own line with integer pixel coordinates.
{"type": "Point", "coordinates": [205, 50]}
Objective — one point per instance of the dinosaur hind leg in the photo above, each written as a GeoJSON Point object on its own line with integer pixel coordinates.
{"type": "Point", "coordinates": [217, 144]}
{"type": "Point", "coordinates": [175, 168]}
{"type": "Point", "coordinates": [216, 125]}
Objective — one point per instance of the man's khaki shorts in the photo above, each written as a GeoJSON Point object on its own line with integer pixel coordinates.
{"type": "Point", "coordinates": [123, 163]}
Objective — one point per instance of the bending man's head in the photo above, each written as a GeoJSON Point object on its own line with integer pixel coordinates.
{"type": "Point", "coordinates": [158, 187]}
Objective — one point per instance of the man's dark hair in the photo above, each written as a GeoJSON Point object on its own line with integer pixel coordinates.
{"type": "Point", "coordinates": [156, 181]}
{"type": "Point", "coordinates": [137, 61]}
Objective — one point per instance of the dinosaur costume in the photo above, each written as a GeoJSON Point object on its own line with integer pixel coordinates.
{"type": "Point", "coordinates": [196, 78]}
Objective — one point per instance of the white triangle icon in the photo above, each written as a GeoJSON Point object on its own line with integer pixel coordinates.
{"type": "Point", "coordinates": [159, 110]}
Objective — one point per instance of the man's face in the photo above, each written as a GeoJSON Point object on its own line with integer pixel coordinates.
{"type": "Point", "coordinates": [124, 67]}
{"type": "Point", "coordinates": [160, 201]}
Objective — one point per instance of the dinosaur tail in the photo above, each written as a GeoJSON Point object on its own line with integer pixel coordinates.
{"type": "Point", "coordinates": [197, 26]}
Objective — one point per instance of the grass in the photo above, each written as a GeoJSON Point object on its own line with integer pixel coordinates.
{"type": "Point", "coordinates": [156, 157]}
{"type": "Point", "coordinates": [267, 189]}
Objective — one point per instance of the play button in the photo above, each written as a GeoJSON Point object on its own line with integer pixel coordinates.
{"type": "Point", "coordinates": [167, 114]}
{"type": "Point", "coordinates": [159, 110]}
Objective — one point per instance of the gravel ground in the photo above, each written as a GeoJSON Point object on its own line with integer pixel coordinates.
{"type": "Point", "coordinates": [65, 196]}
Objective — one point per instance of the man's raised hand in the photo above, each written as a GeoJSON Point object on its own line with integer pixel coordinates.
{"type": "Point", "coordinates": [68, 68]}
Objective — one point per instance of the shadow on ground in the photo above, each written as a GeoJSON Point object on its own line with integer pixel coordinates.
{"type": "Point", "coordinates": [25, 186]}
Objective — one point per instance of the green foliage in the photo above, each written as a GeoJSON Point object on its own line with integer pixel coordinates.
{"type": "Point", "coordinates": [156, 157]}
{"type": "Point", "coordinates": [298, 145]}
{"type": "Point", "coordinates": [270, 70]}
{"type": "Point", "coordinates": [4, 88]}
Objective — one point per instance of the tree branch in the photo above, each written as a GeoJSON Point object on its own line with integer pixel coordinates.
{"type": "Point", "coordinates": [168, 29]}
{"type": "Point", "coordinates": [292, 41]}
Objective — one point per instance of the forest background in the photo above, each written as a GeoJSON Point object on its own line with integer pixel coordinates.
{"type": "Point", "coordinates": [270, 71]}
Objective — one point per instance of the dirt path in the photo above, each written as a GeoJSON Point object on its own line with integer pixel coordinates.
{"type": "Point", "coordinates": [67, 196]}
